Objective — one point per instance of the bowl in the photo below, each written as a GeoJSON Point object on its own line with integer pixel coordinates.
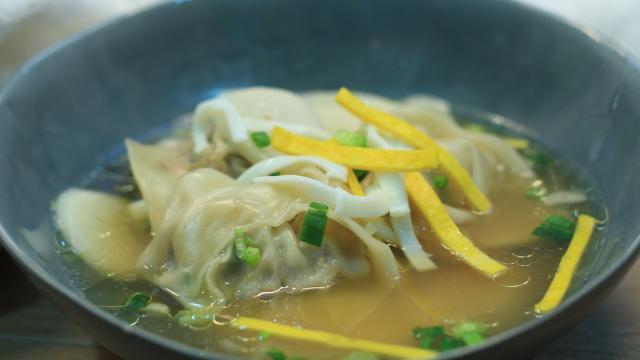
{"type": "Point", "coordinates": [66, 108]}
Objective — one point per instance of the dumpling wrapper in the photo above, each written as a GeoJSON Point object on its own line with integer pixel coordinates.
{"type": "Point", "coordinates": [272, 104]}
{"type": "Point", "coordinates": [156, 169]}
{"type": "Point", "coordinates": [192, 253]}
{"type": "Point", "coordinates": [101, 230]}
{"type": "Point", "coordinates": [334, 117]}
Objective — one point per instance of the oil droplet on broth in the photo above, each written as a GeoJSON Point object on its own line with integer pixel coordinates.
{"type": "Point", "coordinates": [523, 252]}
{"type": "Point", "coordinates": [514, 277]}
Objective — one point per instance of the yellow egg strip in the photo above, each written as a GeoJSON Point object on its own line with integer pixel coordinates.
{"type": "Point", "coordinates": [568, 264]}
{"type": "Point", "coordinates": [333, 340]}
{"type": "Point", "coordinates": [355, 157]}
{"type": "Point", "coordinates": [445, 229]}
{"type": "Point", "coordinates": [408, 133]}
{"type": "Point", "coordinates": [354, 184]}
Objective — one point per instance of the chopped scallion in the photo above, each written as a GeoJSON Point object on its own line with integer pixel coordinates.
{"type": "Point", "coordinates": [472, 338]}
{"type": "Point", "coordinates": [195, 318]}
{"type": "Point", "coordinates": [351, 138]}
{"type": "Point", "coordinates": [252, 256]}
{"type": "Point", "coordinates": [440, 182]}
{"type": "Point", "coordinates": [536, 157]}
{"type": "Point", "coordinates": [421, 332]}
{"type": "Point", "coordinates": [275, 173]}
{"type": "Point", "coordinates": [261, 139]}
{"type": "Point", "coordinates": [556, 227]}
{"type": "Point", "coordinates": [264, 335]}
{"type": "Point", "coordinates": [314, 224]}
{"type": "Point", "coordinates": [435, 337]}
{"type": "Point", "coordinates": [449, 343]}
{"type": "Point", "coordinates": [428, 342]}
{"type": "Point", "coordinates": [475, 128]}
{"type": "Point", "coordinates": [536, 192]}
{"type": "Point", "coordinates": [276, 354]}
{"type": "Point", "coordinates": [360, 174]}
{"type": "Point", "coordinates": [245, 248]}
{"type": "Point", "coordinates": [468, 327]}
{"type": "Point", "coordinates": [241, 247]}
{"type": "Point", "coordinates": [137, 301]}
{"type": "Point", "coordinates": [470, 332]}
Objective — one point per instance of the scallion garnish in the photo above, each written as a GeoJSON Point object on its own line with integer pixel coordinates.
{"type": "Point", "coordinates": [435, 337]}
{"type": "Point", "coordinates": [195, 318]}
{"type": "Point", "coordinates": [261, 139]}
{"type": "Point", "coordinates": [536, 157]}
{"type": "Point", "coordinates": [470, 332]}
{"type": "Point", "coordinates": [536, 191]}
{"type": "Point", "coordinates": [477, 128]}
{"type": "Point", "coordinates": [449, 343]}
{"type": "Point", "coordinates": [440, 182]}
{"type": "Point", "coordinates": [468, 327]}
{"type": "Point", "coordinates": [351, 138]}
{"type": "Point", "coordinates": [137, 301]}
{"type": "Point", "coordinates": [240, 243]}
{"type": "Point", "coordinates": [276, 354]}
{"type": "Point", "coordinates": [356, 139]}
{"type": "Point", "coordinates": [556, 227]}
{"type": "Point", "coordinates": [245, 249]}
{"type": "Point", "coordinates": [252, 256]}
{"type": "Point", "coordinates": [314, 224]}
{"type": "Point", "coordinates": [360, 174]}
{"type": "Point", "coordinates": [472, 338]}
{"type": "Point", "coordinates": [264, 335]}
{"type": "Point", "coordinates": [422, 332]}
{"type": "Point", "coordinates": [275, 173]}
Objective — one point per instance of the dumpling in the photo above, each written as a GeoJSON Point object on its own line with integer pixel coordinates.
{"type": "Point", "coordinates": [193, 250]}
{"type": "Point", "coordinates": [101, 230]}
{"type": "Point", "coordinates": [271, 104]}
{"type": "Point", "coordinates": [156, 170]}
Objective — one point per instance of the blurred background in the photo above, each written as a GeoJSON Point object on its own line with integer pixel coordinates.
{"type": "Point", "coordinates": [28, 26]}
{"type": "Point", "coordinates": [30, 328]}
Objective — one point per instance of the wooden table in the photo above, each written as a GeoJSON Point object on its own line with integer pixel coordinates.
{"type": "Point", "coordinates": [31, 328]}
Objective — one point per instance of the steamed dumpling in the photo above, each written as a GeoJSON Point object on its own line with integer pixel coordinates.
{"type": "Point", "coordinates": [192, 253]}
{"type": "Point", "coordinates": [156, 170]}
{"type": "Point", "coordinates": [100, 229]}
{"type": "Point", "coordinates": [271, 104]}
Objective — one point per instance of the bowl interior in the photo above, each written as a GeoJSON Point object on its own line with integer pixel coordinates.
{"type": "Point", "coordinates": [79, 100]}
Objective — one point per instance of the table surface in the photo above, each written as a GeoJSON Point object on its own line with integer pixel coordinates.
{"type": "Point", "coordinates": [31, 328]}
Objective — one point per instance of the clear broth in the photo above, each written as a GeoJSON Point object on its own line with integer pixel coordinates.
{"type": "Point", "coordinates": [363, 308]}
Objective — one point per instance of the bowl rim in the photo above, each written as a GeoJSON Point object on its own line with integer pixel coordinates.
{"type": "Point", "coordinates": [34, 270]}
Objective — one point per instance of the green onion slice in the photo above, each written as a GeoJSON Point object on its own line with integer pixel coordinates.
{"type": "Point", "coordinates": [556, 227]}
{"type": "Point", "coordinates": [351, 138]}
{"type": "Point", "coordinates": [252, 256]}
{"type": "Point", "coordinates": [449, 343]}
{"type": "Point", "coordinates": [537, 158]}
{"type": "Point", "coordinates": [472, 338]}
{"type": "Point", "coordinates": [440, 182]}
{"type": "Point", "coordinates": [314, 224]}
{"type": "Point", "coordinates": [261, 139]}
{"type": "Point", "coordinates": [240, 245]}
{"type": "Point", "coordinates": [137, 301]}
{"type": "Point", "coordinates": [360, 174]}
{"type": "Point", "coordinates": [536, 192]}
{"type": "Point", "coordinates": [276, 354]}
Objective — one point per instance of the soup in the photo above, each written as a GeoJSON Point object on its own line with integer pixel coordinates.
{"type": "Point", "coordinates": [275, 225]}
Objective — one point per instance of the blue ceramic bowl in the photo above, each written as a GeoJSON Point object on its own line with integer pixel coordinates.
{"type": "Point", "coordinates": [67, 107]}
